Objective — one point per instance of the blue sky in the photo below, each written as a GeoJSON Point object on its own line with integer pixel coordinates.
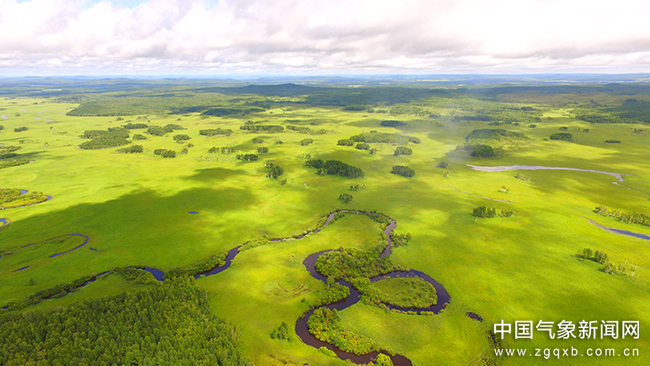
{"type": "Point", "coordinates": [202, 37]}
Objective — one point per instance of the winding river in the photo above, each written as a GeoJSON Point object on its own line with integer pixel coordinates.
{"type": "Point", "coordinates": [480, 168]}
{"type": "Point", "coordinates": [302, 330]}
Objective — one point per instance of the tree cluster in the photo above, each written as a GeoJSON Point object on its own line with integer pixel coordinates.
{"type": "Point", "coordinates": [345, 142]}
{"type": "Point", "coordinates": [479, 150]}
{"type": "Point", "coordinates": [223, 150]}
{"type": "Point", "coordinates": [495, 134]}
{"type": "Point", "coordinates": [402, 170]}
{"type": "Point", "coordinates": [633, 218]}
{"type": "Point", "coordinates": [392, 123]}
{"type": "Point", "coordinates": [7, 152]}
{"type": "Point", "coordinates": [181, 137]}
{"type": "Point", "coordinates": [307, 130]}
{"type": "Point", "coordinates": [281, 333]}
{"type": "Point", "coordinates": [165, 153]}
{"type": "Point", "coordinates": [135, 126]}
{"type": "Point", "coordinates": [99, 139]}
{"type": "Point", "coordinates": [305, 142]}
{"type": "Point", "coordinates": [522, 177]}
{"type": "Point", "coordinates": [350, 263]}
{"type": "Point", "coordinates": [487, 212]}
{"type": "Point", "coordinates": [161, 131]}
{"type": "Point", "coordinates": [21, 129]}
{"type": "Point", "coordinates": [345, 197]}
{"type": "Point", "coordinates": [263, 128]}
{"type": "Point", "coordinates": [216, 132]}
{"type": "Point", "coordinates": [247, 157]}
{"type": "Point", "coordinates": [562, 136]}
{"type": "Point", "coordinates": [262, 150]}
{"type": "Point", "coordinates": [325, 324]}
{"type": "Point", "coordinates": [362, 146]}
{"type": "Point", "coordinates": [380, 137]}
{"type": "Point", "coordinates": [168, 324]}
{"type": "Point", "coordinates": [608, 267]}
{"type": "Point", "coordinates": [219, 112]}
{"type": "Point", "coordinates": [10, 163]}
{"type": "Point", "coordinates": [403, 150]}
{"type": "Point", "coordinates": [400, 239]}
{"type": "Point", "coordinates": [274, 171]}
{"type": "Point", "coordinates": [335, 167]}
{"type": "Point", "coordinates": [131, 149]}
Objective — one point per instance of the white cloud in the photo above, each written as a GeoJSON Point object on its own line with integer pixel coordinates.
{"type": "Point", "coordinates": [194, 36]}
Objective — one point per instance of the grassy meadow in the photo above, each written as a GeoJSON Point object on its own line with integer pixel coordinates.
{"type": "Point", "coordinates": [135, 210]}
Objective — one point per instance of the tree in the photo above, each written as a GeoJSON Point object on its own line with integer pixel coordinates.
{"type": "Point", "coordinates": [587, 253]}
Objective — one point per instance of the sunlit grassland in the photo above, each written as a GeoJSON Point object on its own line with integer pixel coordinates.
{"type": "Point", "coordinates": [134, 208]}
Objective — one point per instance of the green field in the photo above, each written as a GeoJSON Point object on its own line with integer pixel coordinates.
{"type": "Point", "coordinates": [145, 210]}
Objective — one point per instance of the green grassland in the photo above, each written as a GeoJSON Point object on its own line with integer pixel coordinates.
{"type": "Point", "coordinates": [135, 210]}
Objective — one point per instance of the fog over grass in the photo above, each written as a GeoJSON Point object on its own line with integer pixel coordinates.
{"type": "Point", "coordinates": [292, 36]}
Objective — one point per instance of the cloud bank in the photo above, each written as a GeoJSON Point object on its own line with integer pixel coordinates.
{"type": "Point", "coordinates": [323, 37]}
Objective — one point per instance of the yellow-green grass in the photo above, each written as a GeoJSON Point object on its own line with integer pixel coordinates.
{"type": "Point", "coordinates": [134, 209]}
